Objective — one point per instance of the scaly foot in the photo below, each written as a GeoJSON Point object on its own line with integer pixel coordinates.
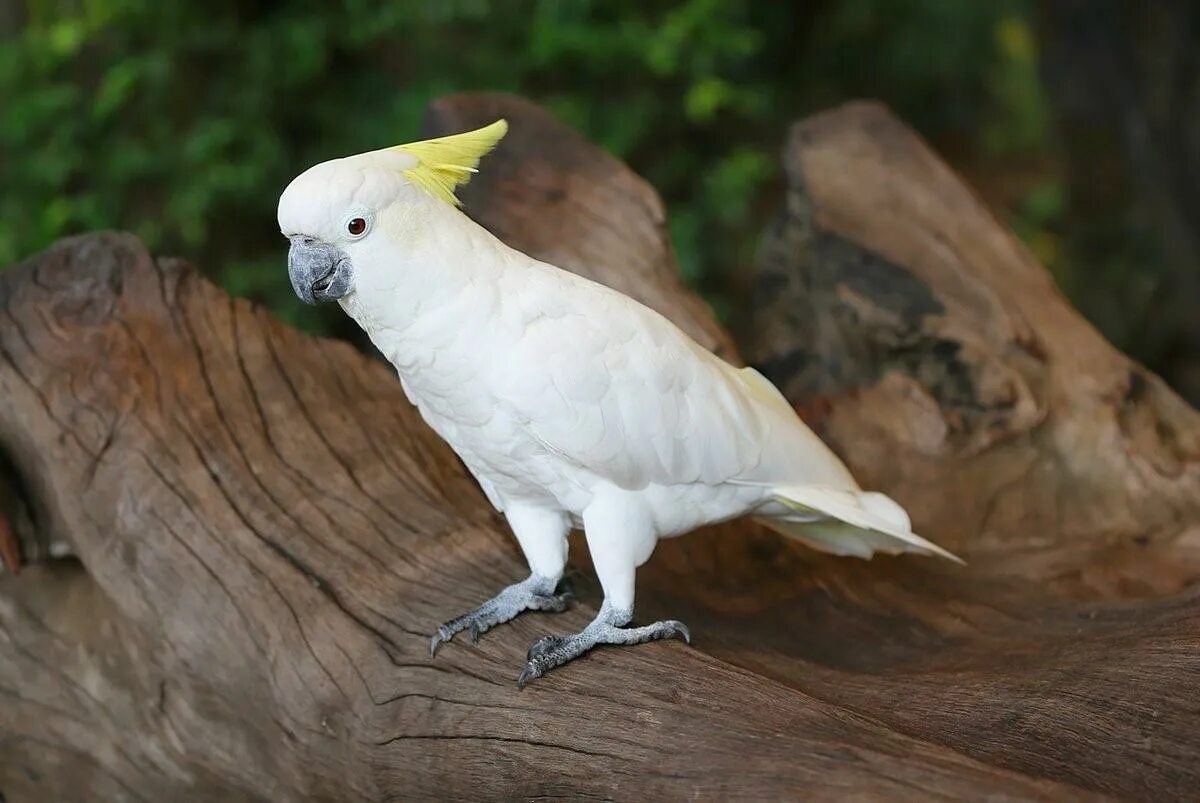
{"type": "Point", "coordinates": [531, 594]}
{"type": "Point", "coordinates": [607, 628]}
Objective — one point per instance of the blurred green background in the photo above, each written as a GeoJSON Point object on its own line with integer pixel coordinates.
{"type": "Point", "coordinates": [1076, 120]}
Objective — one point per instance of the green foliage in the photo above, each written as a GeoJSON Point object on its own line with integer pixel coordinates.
{"type": "Point", "coordinates": [184, 121]}
{"type": "Point", "coordinates": [1017, 121]}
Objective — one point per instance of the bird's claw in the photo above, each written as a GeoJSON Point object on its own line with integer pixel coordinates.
{"type": "Point", "coordinates": [679, 629]}
{"type": "Point", "coordinates": [533, 594]}
{"type": "Point", "coordinates": [443, 634]}
{"type": "Point", "coordinates": [530, 672]}
{"type": "Point", "coordinates": [549, 652]}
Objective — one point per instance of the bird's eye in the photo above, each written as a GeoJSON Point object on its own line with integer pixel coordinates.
{"type": "Point", "coordinates": [356, 226]}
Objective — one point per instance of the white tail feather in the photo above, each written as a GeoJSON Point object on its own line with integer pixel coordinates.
{"type": "Point", "coordinates": [863, 522]}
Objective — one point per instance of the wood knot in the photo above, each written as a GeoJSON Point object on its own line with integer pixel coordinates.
{"type": "Point", "coordinates": [84, 277]}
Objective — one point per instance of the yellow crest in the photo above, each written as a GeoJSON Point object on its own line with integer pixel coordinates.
{"type": "Point", "coordinates": [445, 163]}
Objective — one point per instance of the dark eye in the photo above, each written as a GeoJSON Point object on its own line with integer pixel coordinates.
{"type": "Point", "coordinates": [356, 226]}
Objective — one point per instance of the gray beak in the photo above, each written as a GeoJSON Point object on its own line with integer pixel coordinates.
{"type": "Point", "coordinates": [319, 271]}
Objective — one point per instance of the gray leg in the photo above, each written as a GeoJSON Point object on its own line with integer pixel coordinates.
{"type": "Point", "coordinates": [607, 628]}
{"type": "Point", "coordinates": [534, 593]}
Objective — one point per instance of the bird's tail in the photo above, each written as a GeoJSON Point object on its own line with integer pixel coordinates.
{"type": "Point", "coordinates": [846, 522]}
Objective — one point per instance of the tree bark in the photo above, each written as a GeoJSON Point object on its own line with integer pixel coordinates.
{"type": "Point", "coordinates": [267, 533]}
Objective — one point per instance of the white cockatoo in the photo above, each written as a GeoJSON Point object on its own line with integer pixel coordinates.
{"type": "Point", "coordinates": [573, 405]}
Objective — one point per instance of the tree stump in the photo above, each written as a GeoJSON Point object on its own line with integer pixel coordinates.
{"type": "Point", "coordinates": [265, 533]}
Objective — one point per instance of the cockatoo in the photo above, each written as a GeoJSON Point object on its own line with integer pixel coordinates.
{"type": "Point", "coordinates": [573, 405]}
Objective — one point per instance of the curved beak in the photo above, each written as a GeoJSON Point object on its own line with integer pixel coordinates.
{"type": "Point", "coordinates": [319, 271]}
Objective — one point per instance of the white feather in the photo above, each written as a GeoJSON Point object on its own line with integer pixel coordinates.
{"type": "Point", "coordinates": [849, 522]}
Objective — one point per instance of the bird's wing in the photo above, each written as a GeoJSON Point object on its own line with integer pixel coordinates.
{"type": "Point", "coordinates": [616, 389]}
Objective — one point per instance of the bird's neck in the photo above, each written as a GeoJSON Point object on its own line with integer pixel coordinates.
{"type": "Point", "coordinates": [434, 294]}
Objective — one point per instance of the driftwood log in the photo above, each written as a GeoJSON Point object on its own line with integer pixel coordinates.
{"type": "Point", "coordinates": [265, 533]}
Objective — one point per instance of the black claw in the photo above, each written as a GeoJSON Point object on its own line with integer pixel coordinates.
{"type": "Point", "coordinates": [474, 632]}
{"type": "Point", "coordinates": [527, 673]}
{"type": "Point", "coordinates": [537, 667]}
{"type": "Point", "coordinates": [444, 635]}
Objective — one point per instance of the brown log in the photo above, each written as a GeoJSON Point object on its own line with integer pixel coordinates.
{"type": "Point", "coordinates": [267, 534]}
{"type": "Point", "coordinates": [20, 541]}
{"type": "Point", "coordinates": [10, 548]}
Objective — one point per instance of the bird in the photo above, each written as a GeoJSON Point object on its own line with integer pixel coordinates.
{"type": "Point", "coordinates": [572, 405]}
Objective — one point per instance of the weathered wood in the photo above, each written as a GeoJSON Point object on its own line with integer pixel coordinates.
{"type": "Point", "coordinates": [20, 541]}
{"type": "Point", "coordinates": [952, 372]}
{"type": "Point", "coordinates": [267, 533]}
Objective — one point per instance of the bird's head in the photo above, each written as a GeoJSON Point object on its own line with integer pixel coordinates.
{"type": "Point", "coordinates": [337, 212]}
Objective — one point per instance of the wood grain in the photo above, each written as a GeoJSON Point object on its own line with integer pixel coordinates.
{"type": "Point", "coordinates": [266, 533]}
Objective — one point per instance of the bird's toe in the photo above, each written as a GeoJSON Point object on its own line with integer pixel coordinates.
{"type": "Point", "coordinates": [543, 645]}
